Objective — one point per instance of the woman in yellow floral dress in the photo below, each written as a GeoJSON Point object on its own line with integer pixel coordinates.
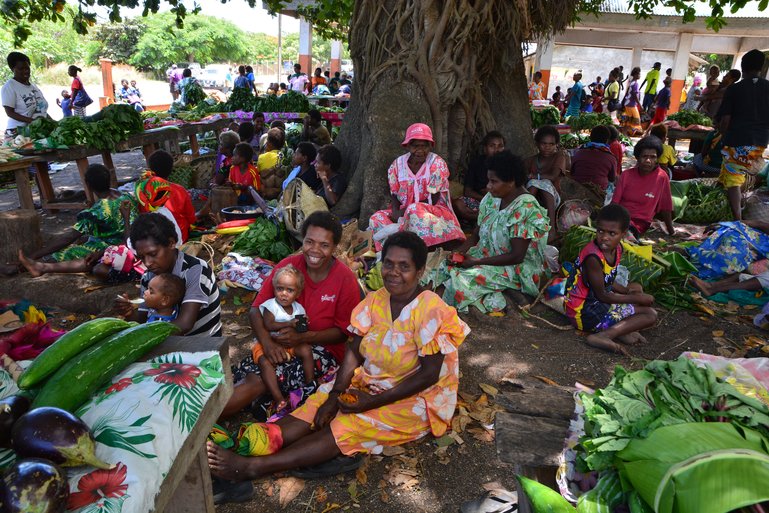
{"type": "Point", "coordinates": [397, 383]}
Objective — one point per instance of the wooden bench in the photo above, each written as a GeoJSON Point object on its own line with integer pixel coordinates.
{"type": "Point", "coordinates": [530, 434]}
{"type": "Point", "coordinates": [20, 168]}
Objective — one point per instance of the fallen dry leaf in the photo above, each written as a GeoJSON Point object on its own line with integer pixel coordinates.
{"type": "Point", "coordinates": [482, 435]}
{"type": "Point", "coordinates": [269, 488]}
{"type": "Point", "coordinates": [290, 487]}
{"type": "Point", "coordinates": [241, 310]}
{"type": "Point", "coordinates": [718, 333]}
{"type": "Point", "coordinates": [547, 380]}
{"type": "Point", "coordinates": [393, 451]}
{"type": "Point", "coordinates": [352, 489]}
{"type": "Point", "coordinates": [403, 477]}
{"type": "Point", "coordinates": [459, 423]}
{"type": "Point", "coordinates": [490, 390]}
{"type": "Point", "coordinates": [331, 507]}
{"type": "Point", "coordinates": [494, 485]}
{"type": "Point", "coordinates": [482, 401]}
{"type": "Point", "coordinates": [361, 476]}
{"type": "Point", "coordinates": [321, 495]}
{"type": "Point", "coordinates": [70, 318]}
{"type": "Point", "coordinates": [92, 288]}
{"type": "Point", "coordinates": [442, 454]}
{"type": "Point", "coordinates": [384, 497]}
{"type": "Point", "coordinates": [535, 346]}
{"type": "Point", "coordinates": [456, 437]}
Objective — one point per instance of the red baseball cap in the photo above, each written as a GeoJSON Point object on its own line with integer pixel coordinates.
{"type": "Point", "coordinates": [418, 131]}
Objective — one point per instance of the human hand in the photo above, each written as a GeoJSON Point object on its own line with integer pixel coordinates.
{"type": "Point", "coordinates": [363, 402]}
{"type": "Point", "coordinates": [288, 337]}
{"type": "Point", "coordinates": [93, 258]}
{"type": "Point", "coordinates": [643, 299]}
{"type": "Point", "coordinates": [395, 215]}
{"type": "Point", "coordinates": [125, 209]}
{"type": "Point", "coordinates": [122, 306]}
{"type": "Point", "coordinates": [635, 288]}
{"type": "Point", "coordinates": [468, 262]}
{"type": "Point", "coordinates": [275, 353]}
{"type": "Point", "coordinates": [326, 412]}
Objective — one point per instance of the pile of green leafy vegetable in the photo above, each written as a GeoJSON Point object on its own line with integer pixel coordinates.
{"type": "Point", "coordinates": [265, 239]}
{"type": "Point", "coordinates": [293, 134]}
{"type": "Point", "coordinates": [241, 98]}
{"type": "Point", "coordinates": [193, 93]}
{"type": "Point", "coordinates": [572, 141]}
{"type": "Point", "coordinates": [291, 101]}
{"type": "Point", "coordinates": [38, 129]}
{"type": "Point", "coordinates": [688, 117]}
{"type": "Point", "coordinates": [588, 120]}
{"type": "Point", "coordinates": [541, 116]}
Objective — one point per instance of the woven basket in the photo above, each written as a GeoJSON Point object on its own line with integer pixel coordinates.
{"type": "Point", "coordinates": [299, 201]}
{"type": "Point", "coordinates": [202, 171]}
{"type": "Point", "coordinates": [182, 174]}
{"type": "Point", "coordinates": [711, 212]}
{"type": "Point", "coordinates": [756, 209]}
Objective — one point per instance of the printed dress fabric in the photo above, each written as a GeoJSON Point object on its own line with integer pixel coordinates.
{"type": "Point", "coordinates": [140, 421]}
{"type": "Point", "coordinates": [482, 285]}
{"type": "Point", "coordinates": [391, 349]}
{"type": "Point", "coordinates": [730, 249]}
{"type": "Point", "coordinates": [434, 223]}
{"type": "Point", "coordinates": [103, 224]}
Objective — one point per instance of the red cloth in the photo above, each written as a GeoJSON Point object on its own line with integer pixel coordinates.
{"type": "Point", "coordinates": [660, 113]}
{"type": "Point", "coordinates": [329, 304]}
{"type": "Point", "coordinates": [618, 150]}
{"type": "Point", "coordinates": [593, 165]}
{"type": "Point", "coordinates": [76, 86]}
{"type": "Point", "coordinates": [248, 178]}
{"type": "Point", "coordinates": [180, 205]}
{"type": "Point", "coordinates": [643, 196]}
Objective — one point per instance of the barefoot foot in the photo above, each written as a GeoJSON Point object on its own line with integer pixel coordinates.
{"type": "Point", "coordinates": [34, 267]}
{"type": "Point", "coordinates": [602, 342]}
{"type": "Point", "coordinates": [228, 465]}
{"type": "Point", "coordinates": [632, 339]}
{"type": "Point", "coordinates": [701, 285]}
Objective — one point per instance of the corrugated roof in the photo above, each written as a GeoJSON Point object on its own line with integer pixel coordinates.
{"type": "Point", "coordinates": [701, 9]}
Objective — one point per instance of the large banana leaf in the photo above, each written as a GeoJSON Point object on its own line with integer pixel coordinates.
{"type": "Point", "coordinates": [535, 497]}
{"type": "Point", "coordinates": [606, 495]}
{"type": "Point", "coordinates": [712, 467]}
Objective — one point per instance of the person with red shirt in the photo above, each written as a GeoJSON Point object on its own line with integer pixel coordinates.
{"type": "Point", "coordinates": [243, 173]}
{"type": "Point", "coordinates": [161, 164]}
{"type": "Point", "coordinates": [330, 294]}
{"type": "Point", "coordinates": [645, 189]}
{"type": "Point", "coordinates": [76, 87]}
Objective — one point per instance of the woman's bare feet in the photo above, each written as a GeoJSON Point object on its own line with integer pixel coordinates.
{"type": "Point", "coordinates": [603, 342]}
{"type": "Point", "coordinates": [34, 267]}
{"type": "Point", "coordinates": [228, 465]}
{"type": "Point", "coordinates": [632, 339]}
{"type": "Point", "coordinates": [701, 285]}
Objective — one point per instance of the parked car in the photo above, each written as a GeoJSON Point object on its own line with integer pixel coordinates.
{"type": "Point", "coordinates": [214, 76]}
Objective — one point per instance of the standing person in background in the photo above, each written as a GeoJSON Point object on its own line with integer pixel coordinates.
{"type": "Point", "coordinates": [744, 121]}
{"type": "Point", "coordinates": [611, 94]}
{"type": "Point", "coordinates": [631, 117]}
{"type": "Point", "coordinates": [299, 81]}
{"type": "Point", "coordinates": [691, 97]}
{"type": "Point", "coordinates": [251, 78]}
{"type": "Point", "coordinates": [80, 99]}
{"type": "Point", "coordinates": [662, 102]}
{"type": "Point", "coordinates": [317, 79]}
{"type": "Point", "coordinates": [651, 80]}
{"type": "Point", "coordinates": [333, 84]}
{"type": "Point", "coordinates": [715, 99]}
{"type": "Point", "coordinates": [174, 77]}
{"type": "Point", "coordinates": [575, 96]}
{"type": "Point", "coordinates": [228, 80]}
{"type": "Point", "coordinates": [537, 88]}
{"type": "Point", "coordinates": [241, 82]}
{"type": "Point", "coordinates": [711, 86]}
{"type": "Point", "coordinates": [621, 77]}
{"type": "Point", "coordinates": [22, 100]}
{"type": "Point", "coordinates": [65, 102]}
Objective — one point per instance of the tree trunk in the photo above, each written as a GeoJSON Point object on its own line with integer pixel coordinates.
{"type": "Point", "coordinates": [454, 64]}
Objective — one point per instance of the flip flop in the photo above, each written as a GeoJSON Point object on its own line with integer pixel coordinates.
{"type": "Point", "coordinates": [231, 491]}
{"type": "Point", "coordinates": [338, 465]}
{"type": "Point", "coordinates": [494, 501]}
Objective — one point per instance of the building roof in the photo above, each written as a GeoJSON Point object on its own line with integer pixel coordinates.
{"type": "Point", "coordinates": [701, 9]}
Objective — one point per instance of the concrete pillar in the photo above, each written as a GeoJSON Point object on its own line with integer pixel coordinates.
{"type": "Point", "coordinates": [108, 95]}
{"type": "Point", "coordinates": [336, 56]}
{"type": "Point", "coordinates": [635, 61]}
{"type": "Point", "coordinates": [680, 70]}
{"type": "Point", "coordinates": [544, 62]}
{"type": "Point", "coordinates": [736, 59]}
{"type": "Point", "coordinates": [305, 46]}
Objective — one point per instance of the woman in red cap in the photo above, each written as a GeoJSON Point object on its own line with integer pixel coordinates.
{"type": "Point", "coordinates": [419, 187]}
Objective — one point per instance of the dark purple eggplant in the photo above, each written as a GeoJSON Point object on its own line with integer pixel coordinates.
{"type": "Point", "coordinates": [11, 408]}
{"type": "Point", "coordinates": [56, 435]}
{"type": "Point", "coordinates": [34, 485]}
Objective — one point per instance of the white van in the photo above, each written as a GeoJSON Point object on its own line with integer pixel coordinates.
{"type": "Point", "coordinates": [214, 76]}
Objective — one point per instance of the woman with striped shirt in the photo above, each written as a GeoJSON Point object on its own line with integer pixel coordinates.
{"type": "Point", "coordinates": [154, 239]}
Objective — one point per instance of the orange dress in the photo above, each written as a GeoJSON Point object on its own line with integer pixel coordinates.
{"type": "Point", "coordinates": [391, 350]}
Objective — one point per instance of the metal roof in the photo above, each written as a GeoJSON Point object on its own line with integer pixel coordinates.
{"type": "Point", "coordinates": [701, 9]}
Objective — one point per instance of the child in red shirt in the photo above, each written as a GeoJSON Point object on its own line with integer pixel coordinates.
{"type": "Point", "coordinates": [243, 173]}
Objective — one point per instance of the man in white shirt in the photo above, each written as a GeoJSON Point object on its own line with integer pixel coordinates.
{"type": "Point", "coordinates": [298, 81]}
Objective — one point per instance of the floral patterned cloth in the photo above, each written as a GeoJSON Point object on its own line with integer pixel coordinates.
{"type": "Point", "coordinates": [481, 286]}
{"type": "Point", "coordinates": [140, 421]}
{"type": "Point", "coordinates": [391, 350]}
{"type": "Point", "coordinates": [436, 223]}
{"type": "Point", "coordinates": [730, 249]}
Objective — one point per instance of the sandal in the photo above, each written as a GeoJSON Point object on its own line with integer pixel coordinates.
{"type": "Point", "coordinates": [338, 465]}
{"type": "Point", "coordinates": [495, 501]}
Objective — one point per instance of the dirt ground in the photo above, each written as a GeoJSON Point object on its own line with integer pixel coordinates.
{"type": "Point", "coordinates": [425, 478]}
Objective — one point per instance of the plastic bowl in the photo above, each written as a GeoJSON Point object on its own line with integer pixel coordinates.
{"type": "Point", "coordinates": [235, 213]}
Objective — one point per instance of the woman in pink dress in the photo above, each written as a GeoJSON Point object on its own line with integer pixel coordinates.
{"type": "Point", "coordinates": [419, 187]}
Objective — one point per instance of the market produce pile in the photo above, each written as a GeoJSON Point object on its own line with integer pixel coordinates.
{"type": "Point", "coordinates": [112, 124]}
{"type": "Point", "coordinates": [265, 239]}
{"type": "Point", "coordinates": [39, 423]}
{"type": "Point", "coordinates": [588, 121]}
{"type": "Point", "coordinates": [541, 116]}
{"type": "Point", "coordinates": [687, 118]}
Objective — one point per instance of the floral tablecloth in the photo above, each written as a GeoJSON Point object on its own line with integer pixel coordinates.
{"type": "Point", "coordinates": [140, 422]}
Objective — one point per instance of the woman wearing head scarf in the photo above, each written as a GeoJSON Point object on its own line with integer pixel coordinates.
{"type": "Point", "coordinates": [691, 97]}
{"type": "Point", "coordinates": [419, 188]}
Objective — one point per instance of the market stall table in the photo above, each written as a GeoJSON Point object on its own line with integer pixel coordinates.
{"type": "Point", "coordinates": [20, 168]}
{"type": "Point", "coordinates": [191, 131]}
{"type": "Point", "coordinates": [695, 138]}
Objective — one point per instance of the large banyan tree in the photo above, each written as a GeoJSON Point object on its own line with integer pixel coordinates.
{"type": "Point", "coordinates": [454, 64]}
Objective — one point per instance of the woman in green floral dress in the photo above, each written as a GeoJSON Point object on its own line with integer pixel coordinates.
{"type": "Point", "coordinates": [507, 249]}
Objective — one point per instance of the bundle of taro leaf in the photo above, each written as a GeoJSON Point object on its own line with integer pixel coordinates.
{"type": "Point", "coordinates": [264, 239]}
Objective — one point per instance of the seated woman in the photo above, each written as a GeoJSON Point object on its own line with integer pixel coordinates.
{"type": "Point", "coordinates": [103, 224]}
{"type": "Point", "coordinates": [546, 169]}
{"type": "Point", "coordinates": [730, 249]}
{"type": "Point", "coordinates": [330, 293]}
{"type": "Point", "coordinates": [269, 164]}
{"type": "Point", "coordinates": [645, 189]}
{"type": "Point", "coordinates": [398, 381]}
{"type": "Point", "coordinates": [154, 239]}
{"type": "Point", "coordinates": [466, 206]}
{"type": "Point", "coordinates": [594, 162]}
{"type": "Point", "coordinates": [327, 165]}
{"type": "Point", "coordinates": [304, 170]}
{"type": "Point", "coordinates": [419, 187]}
{"type": "Point", "coordinates": [161, 165]}
{"type": "Point", "coordinates": [506, 250]}
{"type": "Point", "coordinates": [130, 95]}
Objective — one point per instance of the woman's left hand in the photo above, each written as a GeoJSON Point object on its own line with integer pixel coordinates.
{"type": "Point", "coordinates": [468, 262]}
{"type": "Point", "coordinates": [365, 402]}
{"type": "Point", "coordinates": [288, 337]}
